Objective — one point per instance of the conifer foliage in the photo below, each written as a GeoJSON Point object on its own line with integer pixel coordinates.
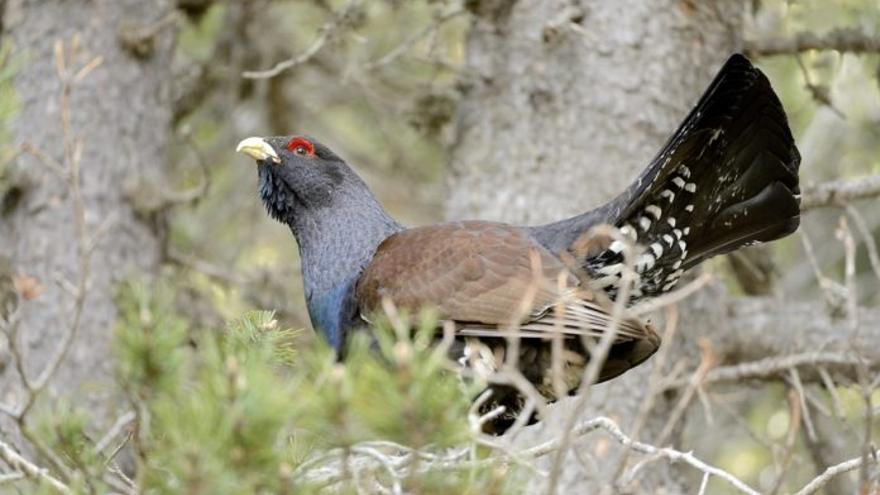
{"type": "Point", "coordinates": [256, 408]}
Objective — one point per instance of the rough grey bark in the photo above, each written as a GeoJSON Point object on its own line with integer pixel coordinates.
{"type": "Point", "coordinates": [121, 111]}
{"type": "Point", "coordinates": [566, 103]}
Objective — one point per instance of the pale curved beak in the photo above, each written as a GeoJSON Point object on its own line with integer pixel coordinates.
{"type": "Point", "coordinates": [258, 149]}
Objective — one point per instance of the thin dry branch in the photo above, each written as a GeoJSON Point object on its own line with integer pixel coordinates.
{"type": "Point", "coordinates": [770, 367]}
{"type": "Point", "coordinates": [70, 172]}
{"type": "Point", "coordinates": [396, 460]}
{"type": "Point", "coordinates": [867, 238]}
{"type": "Point", "coordinates": [70, 72]}
{"type": "Point", "coordinates": [325, 34]}
{"type": "Point", "coordinates": [672, 455]}
{"type": "Point", "coordinates": [841, 39]}
{"type": "Point", "coordinates": [407, 44]}
{"type": "Point", "coordinates": [654, 382]}
{"type": "Point", "coordinates": [821, 94]}
{"type": "Point", "coordinates": [795, 406]}
{"type": "Point", "coordinates": [844, 467]}
{"type": "Point", "coordinates": [598, 353]}
{"type": "Point", "coordinates": [29, 469]}
{"type": "Point", "coordinates": [840, 192]}
{"type": "Point", "coordinates": [760, 328]}
{"type": "Point", "coordinates": [708, 360]}
{"type": "Point", "coordinates": [119, 425]}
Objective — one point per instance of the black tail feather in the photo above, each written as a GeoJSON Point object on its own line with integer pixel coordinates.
{"type": "Point", "coordinates": [726, 178]}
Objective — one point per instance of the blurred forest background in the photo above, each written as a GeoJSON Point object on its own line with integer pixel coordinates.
{"type": "Point", "coordinates": [131, 234]}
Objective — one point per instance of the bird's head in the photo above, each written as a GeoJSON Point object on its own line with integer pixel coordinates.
{"type": "Point", "coordinates": [337, 221]}
{"type": "Point", "coordinates": [298, 175]}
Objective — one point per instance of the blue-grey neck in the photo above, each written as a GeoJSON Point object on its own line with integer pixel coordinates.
{"type": "Point", "coordinates": [336, 242]}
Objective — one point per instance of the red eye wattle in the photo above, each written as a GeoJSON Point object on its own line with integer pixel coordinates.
{"type": "Point", "coordinates": [301, 146]}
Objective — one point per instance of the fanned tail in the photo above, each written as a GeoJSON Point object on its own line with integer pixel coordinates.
{"type": "Point", "coordinates": [727, 178]}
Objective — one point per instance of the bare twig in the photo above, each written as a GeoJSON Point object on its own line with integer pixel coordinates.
{"type": "Point", "coordinates": [708, 359]}
{"type": "Point", "coordinates": [194, 193]}
{"type": "Point", "coordinates": [407, 44]}
{"type": "Point", "coordinates": [844, 467]}
{"type": "Point", "coordinates": [795, 405]}
{"type": "Point", "coordinates": [828, 382]}
{"type": "Point", "coordinates": [654, 382]}
{"type": "Point", "coordinates": [819, 93]}
{"type": "Point", "coordinates": [599, 352]}
{"type": "Point", "coordinates": [765, 368]}
{"type": "Point", "coordinates": [325, 34]}
{"type": "Point", "coordinates": [69, 171]}
{"type": "Point", "coordinates": [839, 192]}
{"type": "Point", "coordinates": [867, 238]}
{"type": "Point", "coordinates": [670, 454]}
{"type": "Point", "coordinates": [30, 470]}
{"type": "Point", "coordinates": [395, 459]}
{"type": "Point", "coordinates": [795, 380]}
{"type": "Point", "coordinates": [831, 290]}
{"type": "Point", "coordinates": [205, 267]}
{"type": "Point", "coordinates": [121, 423]}
{"type": "Point", "coordinates": [841, 39]}
{"type": "Point", "coordinates": [72, 154]}
{"type": "Point", "coordinates": [844, 235]}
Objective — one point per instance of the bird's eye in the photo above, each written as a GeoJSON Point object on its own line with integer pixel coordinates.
{"type": "Point", "coordinates": [301, 146]}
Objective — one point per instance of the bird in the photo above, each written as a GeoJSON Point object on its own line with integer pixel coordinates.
{"type": "Point", "coordinates": [726, 178]}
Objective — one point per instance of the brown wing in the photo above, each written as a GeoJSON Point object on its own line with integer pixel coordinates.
{"type": "Point", "coordinates": [479, 274]}
{"type": "Point", "coordinates": [469, 271]}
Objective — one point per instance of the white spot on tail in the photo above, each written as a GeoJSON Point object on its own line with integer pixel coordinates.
{"type": "Point", "coordinates": [645, 262]}
{"type": "Point", "coordinates": [603, 282]}
{"type": "Point", "coordinates": [612, 269]}
{"type": "Point", "coordinates": [690, 187]}
{"type": "Point", "coordinates": [657, 249]}
{"type": "Point", "coordinates": [654, 211]}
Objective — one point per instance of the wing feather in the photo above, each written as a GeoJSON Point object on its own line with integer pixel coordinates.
{"type": "Point", "coordinates": [479, 275]}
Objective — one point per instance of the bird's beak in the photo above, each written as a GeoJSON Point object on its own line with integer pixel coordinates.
{"type": "Point", "coordinates": [258, 149]}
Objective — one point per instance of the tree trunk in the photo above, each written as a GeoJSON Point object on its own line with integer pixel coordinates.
{"type": "Point", "coordinates": [567, 102]}
{"type": "Point", "coordinates": [120, 113]}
